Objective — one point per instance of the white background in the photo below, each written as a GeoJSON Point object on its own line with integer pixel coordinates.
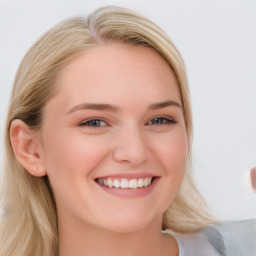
{"type": "Point", "coordinates": [217, 39]}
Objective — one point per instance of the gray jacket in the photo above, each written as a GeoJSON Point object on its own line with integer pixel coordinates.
{"type": "Point", "coordinates": [232, 238]}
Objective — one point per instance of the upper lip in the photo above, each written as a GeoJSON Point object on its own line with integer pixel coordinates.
{"type": "Point", "coordinates": [128, 175]}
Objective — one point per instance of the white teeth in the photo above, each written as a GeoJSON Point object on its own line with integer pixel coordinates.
{"type": "Point", "coordinates": [140, 183]}
{"type": "Point", "coordinates": [125, 183]}
{"type": "Point", "coordinates": [110, 183]}
{"type": "Point", "coordinates": [116, 184]}
{"type": "Point", "coordinates": [133, 183]}
{"type": "Point", "coordinates": [147, 181]}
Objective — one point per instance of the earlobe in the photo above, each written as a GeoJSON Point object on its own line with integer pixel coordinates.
{"type": "Point", "coordinates": [26, 148]}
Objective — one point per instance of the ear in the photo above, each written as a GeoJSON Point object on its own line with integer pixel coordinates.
{"type": "Point", "coordinates": [26, 148]}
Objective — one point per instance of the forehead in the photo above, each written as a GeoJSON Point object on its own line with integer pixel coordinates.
{"type": "Point", "coordinates": [112, 72]}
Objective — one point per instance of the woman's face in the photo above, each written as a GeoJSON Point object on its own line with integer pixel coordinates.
{"type": "Point", "coordinates": [114, 140]}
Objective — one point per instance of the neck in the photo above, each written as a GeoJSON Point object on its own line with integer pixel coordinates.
{"type": "Point", "coordinates": [81, 240]}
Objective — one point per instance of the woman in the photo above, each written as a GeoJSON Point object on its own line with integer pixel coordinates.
{"type": "Point", "coordinates": [98, 144]}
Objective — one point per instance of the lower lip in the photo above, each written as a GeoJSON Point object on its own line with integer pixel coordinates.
{"type": "Point", "coordinates": [130, 192]}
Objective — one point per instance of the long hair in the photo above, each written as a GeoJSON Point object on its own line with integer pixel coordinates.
{"type": "Point", "coordinates": [29, 224]}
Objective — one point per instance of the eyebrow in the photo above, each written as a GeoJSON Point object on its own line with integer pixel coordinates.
{"type": "Point", "coordinates": [114, 108]}
{"type": "Point", "coordinates": [165, 104]}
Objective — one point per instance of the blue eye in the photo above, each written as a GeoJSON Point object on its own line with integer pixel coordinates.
{"type": "Point", "coordinates": [93, 123]}
{"type": "Point", "coordinates": [161, 120]}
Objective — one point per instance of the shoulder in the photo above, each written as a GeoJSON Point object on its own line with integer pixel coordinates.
{"type": "Point", "coordinates": [234, 238]}
{"type": "Point", "coordinates": [195, 244]}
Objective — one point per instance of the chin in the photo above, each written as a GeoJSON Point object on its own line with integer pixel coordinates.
{"type": "Point", "coordinates": [133, 223]}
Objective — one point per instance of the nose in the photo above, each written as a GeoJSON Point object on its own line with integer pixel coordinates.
{"type": "Point", "coordinates": [131, 146]}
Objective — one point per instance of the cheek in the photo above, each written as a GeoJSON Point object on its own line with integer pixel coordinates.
{"type": "Point", "coordinates": [172, 151]}
{"type": "Point", "coordinates": [72, 155]}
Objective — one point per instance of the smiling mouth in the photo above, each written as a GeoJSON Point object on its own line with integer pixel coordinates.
{"type": "Point", "coordinates": [125, 183]}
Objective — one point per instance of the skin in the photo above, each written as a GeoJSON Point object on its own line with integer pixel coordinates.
{"type": "Point", "coordinates": [130, 139]}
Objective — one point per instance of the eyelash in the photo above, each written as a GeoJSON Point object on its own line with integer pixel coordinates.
{"type": "Point", "coordinates": [164, 121]}
{"type": "Point", "coordinates": [97, 121]}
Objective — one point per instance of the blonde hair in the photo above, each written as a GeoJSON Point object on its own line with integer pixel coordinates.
{"type": "Point", "coordinates": [29, 225]}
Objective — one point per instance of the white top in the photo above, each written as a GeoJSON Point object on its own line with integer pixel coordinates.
{"type": "Point", "coordinates": [195, 245]}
